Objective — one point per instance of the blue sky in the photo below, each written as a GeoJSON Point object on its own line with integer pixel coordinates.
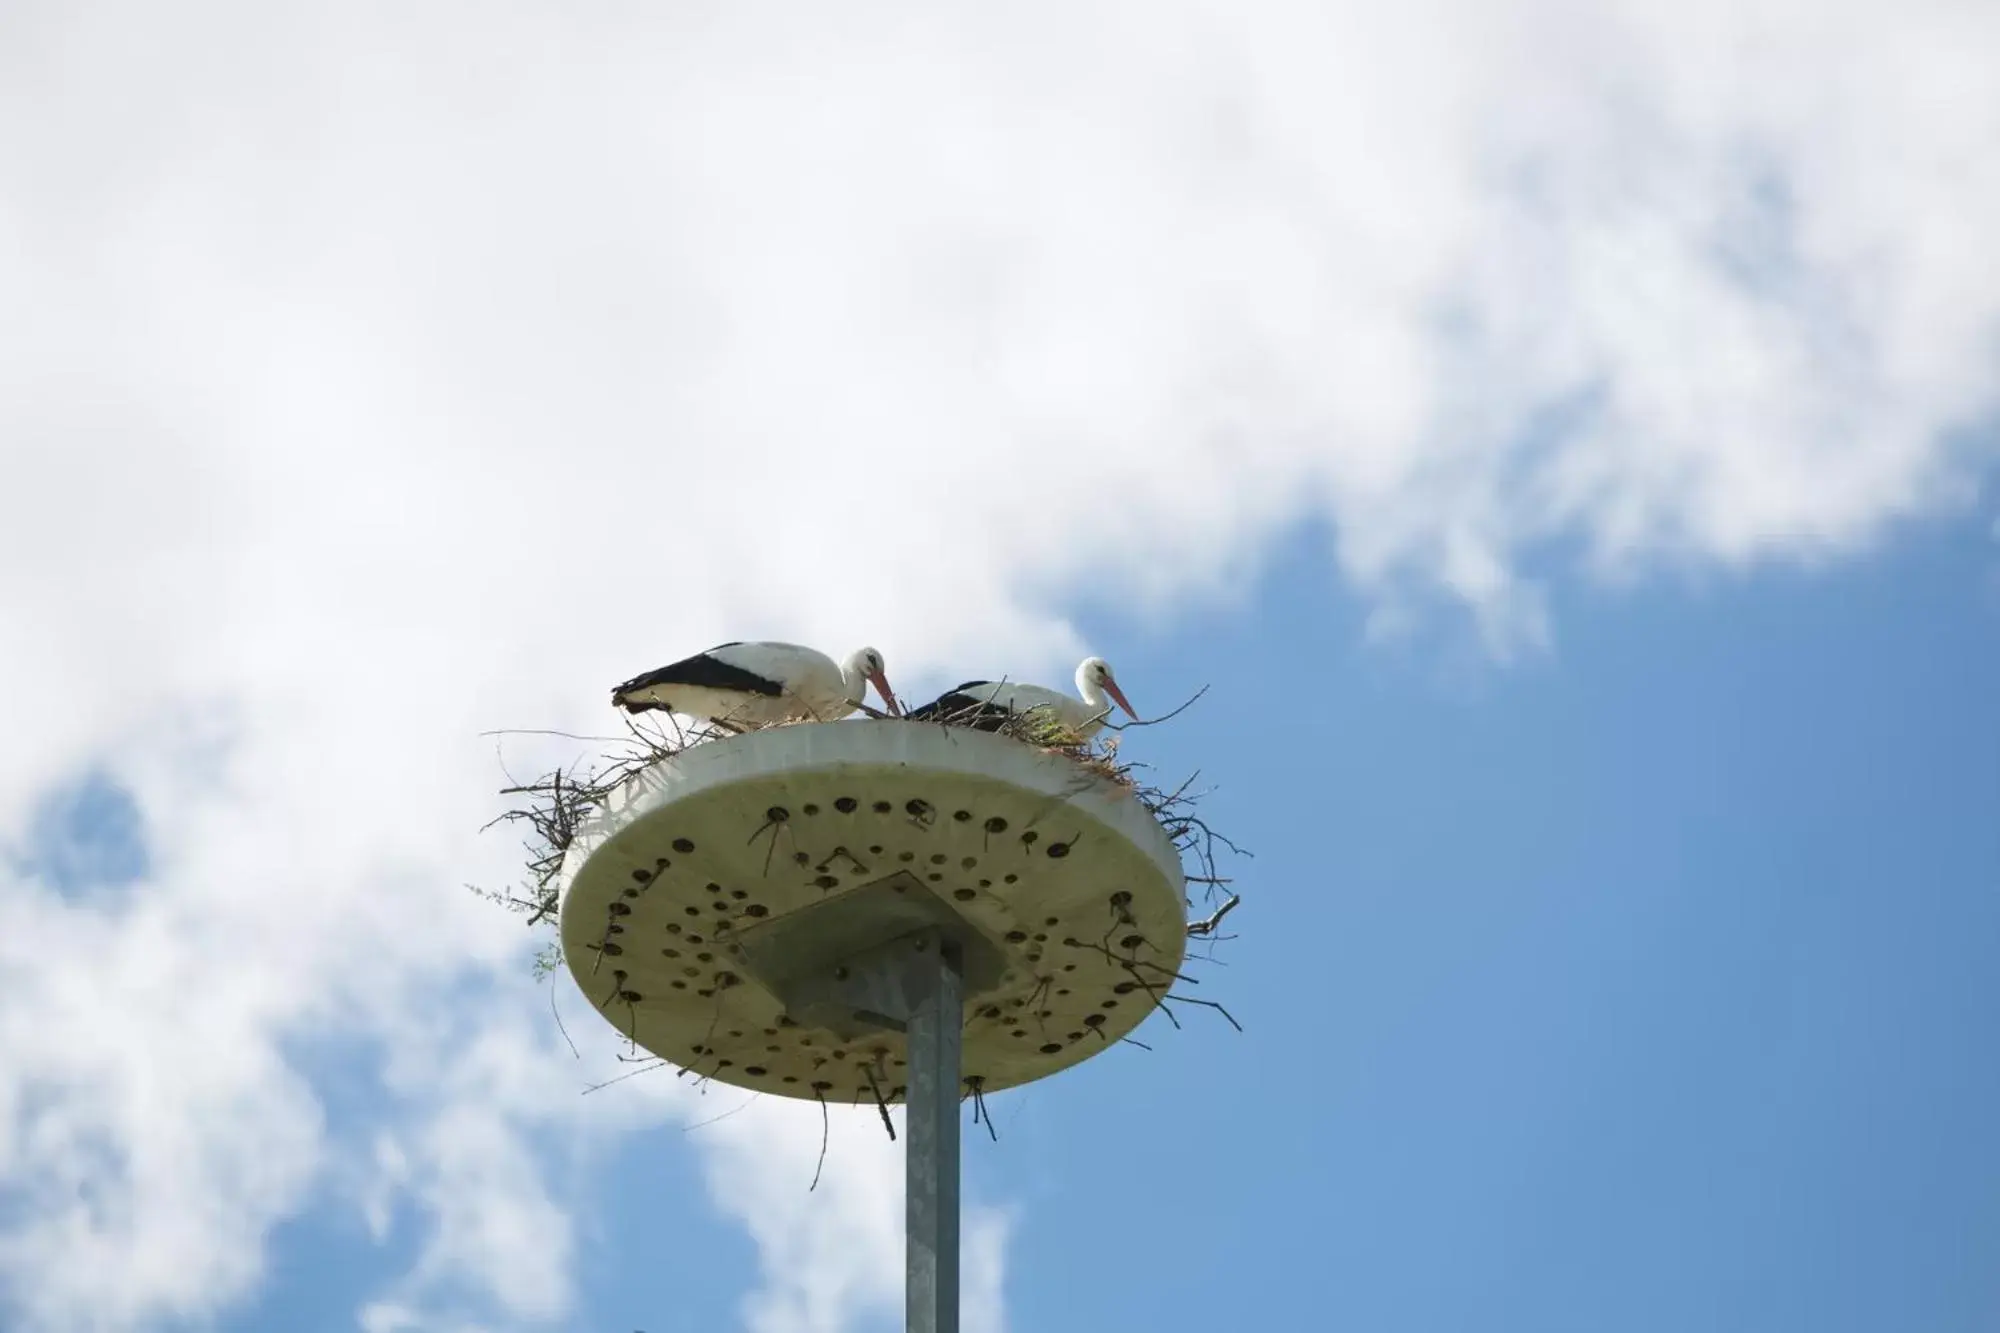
{"type": "Point", "coordinates": [1642, 986]}
{"type": "Point", "coordinates": [1562, 438]}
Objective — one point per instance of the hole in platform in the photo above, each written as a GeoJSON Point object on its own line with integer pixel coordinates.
{"type": "Point", "coordinates": [1120, 898]}
{"type": "Point", "coordinates": [1124, 988]}
{"type": "Point", "coordinates": [619, 909]}
{"type": "Point", "coordinates": [642, 876]}
{"type": "Point", "coordinates": [918, 808]}
{"type": "Point", "coordinates": [906, 856]}
{"type": "Point", "coordinates": [968, 862]}
{"type": "Point", "coordinates": [1011, 879]}
{"type": "Point", "coordinates": [1030, 838]}
{"type": "Point", "coordinates": [692, 911]}
{"type": "Point", "coordinates": [822, 1085]}
{"type": "Point", "coordinates": [985, 883]}
{"type": "Point", "coordinates": [757, 1070]}
{"type": "Point", "coordinates": [846, 804]}
{"type": "Point", "coordinates": [777, 814]}
{"type": "Point", "coordinates": [673, 927]}
{"type": "Point", "coordinates": [990, 1011]}
{"type": "Point", "coordinates": [881, 808]}
{"type": "Point", "coordinates": [720, 906]}
{"type": "Point", "coordinates": [1016, 936]}
{"type": "Point", "coordinates": [1052, 1048]}
{"type": "Point", "coordinates": [875, 849]}
{"type": "Point", "coordinates": [938, 858]}
{"type": "Point", "coordinates": [801, 857]}
{"type": "Point", "coordinates": [811, 809]}
{"type": "Point", "coordinates": [1063, 991]}
{"type": "Point", "coordinates": [1131, 941]}
{"type": "Point", "coordinates": [787, 1021]}
{"type": "Point", "coordinates": [996, 825]}
{"type": "Point", "coordinates": [964, 895]}
{"type": "Point", "coordinates": [704, 958]}
{"type": "Point", "coordinates": [630, 996]}
{"type": "Point", "coordinates": [683, 846]}
{"type": "Point", "coordinates": [828, 881]}
{"type": "Point", "coordinates": [1058, 850]}
{"type": "Point", "coordinates": [723, 981]}
{"type": "Point", "coordinates": [1076, 1036]}
{"type": "Point", "coordinates": [934, 877]}
{"type": "Point", "coordinates": [789, 1078]}
{"type": "Point", "coordinates": [1108, 1004]}
{"type": "Point", "coordinates": [693, 939]}
{"type": "Point", "coordinates": [962, 816]}
{"type": "Point", "coordinates": [678, 985]}
{"type": "Point", "coordinates": [691, 972]}
{"type": "Point", "coordinates": [714, 888]}
{"type": "Point", "coordinates": [1041, 939]}
{"type": "Point", "coordinates": [756, 909]}
{"type": "Point", "coordinates": [614, 929]}
{"type": "Point", "coordinates": [1069, 967]}
{"type": "Point", "coordinates": [631, 893]}
{"type": "Point", "coordinates": [1017, 1033]}
{"type": "Point", "coordinates": [613, 949]}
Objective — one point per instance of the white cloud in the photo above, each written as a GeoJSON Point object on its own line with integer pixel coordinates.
{"type": "Point", "coordinates": [380, 378]}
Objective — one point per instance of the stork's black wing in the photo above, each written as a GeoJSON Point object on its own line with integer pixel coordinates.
{"type": "Point", "coordinates": [962, 709]}
{"type": "Point", "coordinates": [703, 671]}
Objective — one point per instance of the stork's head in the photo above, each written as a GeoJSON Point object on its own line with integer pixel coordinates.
{"type": "Point", "coordinates": [1095, 682]}
{"type": "Point", "coordinates": [866, 664]}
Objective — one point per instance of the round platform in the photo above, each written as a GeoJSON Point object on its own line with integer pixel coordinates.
{"type": "Point", "coordinates": [692, 899]}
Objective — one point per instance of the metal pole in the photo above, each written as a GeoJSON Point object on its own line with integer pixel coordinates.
{"type": "Point", "coordinates": [930, 1155]}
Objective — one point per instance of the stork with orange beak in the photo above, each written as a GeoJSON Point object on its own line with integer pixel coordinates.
{"type": "Point", "coordinates": [985, 705]}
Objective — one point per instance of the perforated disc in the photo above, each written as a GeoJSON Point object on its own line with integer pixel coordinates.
{"type": "Point", "coordinates": [672, 893]}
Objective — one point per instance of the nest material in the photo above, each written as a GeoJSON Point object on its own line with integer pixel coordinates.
{"type": "Point", "coordinates": [555, 806]}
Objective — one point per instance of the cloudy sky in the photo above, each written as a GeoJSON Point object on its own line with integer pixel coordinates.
{"type": "Point", "coordinates": [1562, 435]}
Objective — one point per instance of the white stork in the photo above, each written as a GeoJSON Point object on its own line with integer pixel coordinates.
{"type": "Point", "coordinates": [986, 705]}
{"type": "Point", "coordinates": [758, 684]}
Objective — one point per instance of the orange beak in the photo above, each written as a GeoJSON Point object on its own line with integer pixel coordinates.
{"type": "Point", "coordinates": [1111, 688]}
{"type": "Point", "coordinates": [881, 684]}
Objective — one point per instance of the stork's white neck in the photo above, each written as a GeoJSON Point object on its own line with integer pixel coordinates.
{"type": "Point", "coordinates": [854, 680]}
{"type": "Point", "coordinates": [1090, 691]}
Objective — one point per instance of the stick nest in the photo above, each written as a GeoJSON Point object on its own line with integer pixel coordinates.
{"type": "Point", "coordinates": [551, 809]}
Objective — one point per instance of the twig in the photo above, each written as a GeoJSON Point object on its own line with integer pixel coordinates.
{"type": "Point", "coordinates": [559, 1024]}
{"type": "Point", "coordinates": [651, 1063]}
{"type": "Point", "coordinates": [820, 1097]}
{"type": "Point", "coordinates": [1155, 721]}
{"type": "Point", "coordinates": [704, 1124]}
{"type": "Point", "coordinates": [1183, 999]}
{"type": "Point", "coordinates": [1207, 925]}
{"type": "Point", "coordinates": [881, 1103]}
{"type": "Point", "coordinates": [979, 1112]}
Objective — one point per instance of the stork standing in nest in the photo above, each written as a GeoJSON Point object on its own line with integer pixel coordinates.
{"type": "Point", "coordinates": [986, 705]}
{"type": "Point", "coordinates": [745, 685]}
